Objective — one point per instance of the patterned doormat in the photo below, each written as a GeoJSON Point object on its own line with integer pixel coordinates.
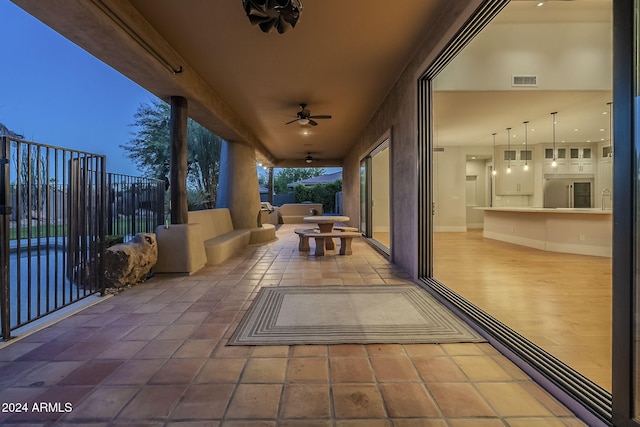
{"type": "Point", "coordinates": [353, 314]}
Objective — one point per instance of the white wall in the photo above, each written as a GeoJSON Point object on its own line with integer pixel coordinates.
{"type": "Point", "coordinates": [564, 56]}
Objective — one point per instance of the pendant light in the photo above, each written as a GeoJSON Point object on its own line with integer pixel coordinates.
{"type": "Point", "coordinates": [553, 163]}
{"type": "Point", "coordinates": [526, 147]}
{"type": "Point", "coordinates": [508, 150]}
{"type": "Point", "coordinates": [610, 104]}
{"type": "Point", "coordinates": [493, 172]}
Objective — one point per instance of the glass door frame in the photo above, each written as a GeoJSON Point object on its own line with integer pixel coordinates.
{"type": "Point", "coordinates": [366, 194]}
{"type": "Point", "coordinates": [589, 401]}
{"type": "Point", "coordinates": [625, 387]}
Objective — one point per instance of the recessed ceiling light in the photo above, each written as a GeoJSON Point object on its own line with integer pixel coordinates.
{"type": "Point", "coordinates": [601, 130]}
{"type": "Point", "coordinates": [576, 130]}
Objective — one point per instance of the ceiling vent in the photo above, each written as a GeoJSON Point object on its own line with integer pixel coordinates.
{"type": "Point", "coordinates": [528, 80]}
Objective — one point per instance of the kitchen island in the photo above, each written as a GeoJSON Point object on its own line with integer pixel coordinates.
{"type": "Point", "coordinates": [571, 230]}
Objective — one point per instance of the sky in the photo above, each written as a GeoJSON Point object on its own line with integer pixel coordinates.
{"type": "Point", "coordinates": [55, 93]}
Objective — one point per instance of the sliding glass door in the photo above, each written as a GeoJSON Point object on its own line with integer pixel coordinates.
{"type": "Point", "coordinates": [375, 211]}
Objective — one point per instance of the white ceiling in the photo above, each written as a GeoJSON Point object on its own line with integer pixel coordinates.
{"type": "Point", "coordinates": [469, 117]}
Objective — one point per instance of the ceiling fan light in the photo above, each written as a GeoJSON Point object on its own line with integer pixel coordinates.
{"type": "Point", "coordinates": [308, 159]}
{"type": "Point", "coordinates": [303, 122]}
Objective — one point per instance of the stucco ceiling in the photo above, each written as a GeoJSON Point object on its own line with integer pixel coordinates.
{"type": "Point", "coordinates": [341, 59]}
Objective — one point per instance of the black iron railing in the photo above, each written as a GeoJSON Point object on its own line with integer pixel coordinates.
{"type": "Point", "coordinates": [57, 209]}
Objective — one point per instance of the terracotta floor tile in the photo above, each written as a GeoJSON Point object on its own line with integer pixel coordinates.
{"type": "Point", "coordinates": [271, 351]}
{"type": "Point", "coordinates": [438, 369]}
{"type": "Point", "coordinates": [305, 401]}
{"type": "Point", "coordinates": [357, 401]}
{"type": "Point", "coordinates": [208, 423]}
{"type": "Point", "coordinates": [177, 371]}
{"type": "Point", "coordinates": [196, 349]}
{"type": "Point", "coordinates": [203, 401]}
{"type": "Point", "coordinates": [534, 422]}
{"type": "Point", "coordinates": [255, 401]}
{"type": "Point", "coordinates": [91, 373]}
{"type": "Point", "coordinates": [509, 399]}
{"type": "Point", "coordinates": [102, 403]}
{"type": "Point", "coordinates": [48, 374]}
{"type": "Point", "coordinates": [309, 351]}
{"type": "Point", "coordinates": [385, 350]}
{"type": "Point", "coordinates": [481, 368]}
{"type": "Point", "coordinates": [153, 402]}
{"type": "Point", "coordinates": [264, 370]}
{"type": "Point", "coordinates": [134, 372]}
{"type": "Point", "coordinates": [347, 350]}
{"type": "Point", "coordinates": [176, 332]}
{"type": "Point", "coordinates": [144, 333]}
{"type": "Point", "coordinates": [476, 422]}
{"type": "Point", "coordinates": [307, 369]}
{"type": "Point", "coordinates": [248, 424]}
{"type": "Point", "coordinates": [394, 369]}
{"type": "Point", "coordinates": [351, 370]}
{"type": "Point", "coordinates": [221, 371]}
{"type": "Point", "coordinates": [460, 400]}
{"type": "Point", "coordinates": [363, 423]}
{"type": "Point", "coordinates": [209, 331]}
{"type": "Point", "coordinates": [121, 350]}
{"type": "Point", "coordinates": [156, 355]}
{"type": "Point", "coordinates": [158, 349]}
{"type": "Point", "coordinates": [305, 423]}
{"type": "Point", "coordinates": [423, 350]}
{"type": "Point", "coordinates": [408, 400]}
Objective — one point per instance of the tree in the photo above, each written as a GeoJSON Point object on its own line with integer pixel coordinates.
{"type": "Point", "coordinates": [286, 176]}
{"type": "Point", "coordinates": [150, 149]}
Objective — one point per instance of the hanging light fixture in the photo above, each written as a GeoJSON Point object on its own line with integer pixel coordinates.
{"type": "Point", "coordinates": [610, 104]}
{"type": "Point", "coordinates": [508, 150]}
{"type": "Point", "coordinates": [526, 147]}
{"type": "Point", "coordinates": [493, 172]}
{"type": "Point", "coordinates": [554, 163]}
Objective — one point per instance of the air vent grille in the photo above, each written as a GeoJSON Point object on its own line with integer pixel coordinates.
{"type": "Point", "coordinates": [524, 80]}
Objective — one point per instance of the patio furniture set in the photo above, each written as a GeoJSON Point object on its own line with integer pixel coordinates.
{"type": "Point", "coordinates": [324, 234]}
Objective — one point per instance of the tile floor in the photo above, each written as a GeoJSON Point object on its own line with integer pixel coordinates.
{"type": "Point", "coordinates": [155, 355]}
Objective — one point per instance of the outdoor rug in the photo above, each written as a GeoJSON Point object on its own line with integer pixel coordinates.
{"type": "Point", "coordinates": [352, 314]}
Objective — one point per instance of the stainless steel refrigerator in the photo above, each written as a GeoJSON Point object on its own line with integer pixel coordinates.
{"type": "Point", "coordinates": [568, 193]}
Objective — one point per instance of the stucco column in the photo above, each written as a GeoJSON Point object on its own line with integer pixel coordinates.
{"type": "Point", "coordinates": [238, 184]}
{"type": "Point", "coordinates": [178, 173]}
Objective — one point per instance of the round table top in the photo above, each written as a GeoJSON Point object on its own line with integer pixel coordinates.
{"type": "Point", "coordinates": [325, 219]}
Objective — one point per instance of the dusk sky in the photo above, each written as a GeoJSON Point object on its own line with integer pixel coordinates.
{"type": "Point", "coordinates": [55, 93]}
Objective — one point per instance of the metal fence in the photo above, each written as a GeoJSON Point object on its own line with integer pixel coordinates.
{"type": "Point", "coordinates": [135, 205]}
{"type": "Point", "coordinates": [56, 208]}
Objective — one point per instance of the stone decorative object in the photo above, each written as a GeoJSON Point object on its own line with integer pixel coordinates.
{"type": "Point", "coordinates": [129, 263]}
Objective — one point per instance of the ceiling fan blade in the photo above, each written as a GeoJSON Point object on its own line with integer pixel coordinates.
{"type": "Point", "coordinates": [312, 123]}
{"type": "Point", "coordinates": [292, 121]}
{"type": "Point", "coordinates": [320, 117]}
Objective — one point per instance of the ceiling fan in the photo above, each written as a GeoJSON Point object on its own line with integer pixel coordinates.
{"type": "Point", "coordinates": [304, 117]}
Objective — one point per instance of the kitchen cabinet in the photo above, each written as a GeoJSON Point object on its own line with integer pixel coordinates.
{"type": "Point", "coordinates": [519, 182]}
{"type": "Point", "coordinates": [561, 160]}
{"type": "Point", "coordinates": [580, 160]}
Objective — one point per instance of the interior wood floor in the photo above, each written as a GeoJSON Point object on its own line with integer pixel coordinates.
{"type": "Point", "coordinates": [561, 302]}
{"type": "Point", "coordinates": [383, 237]}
